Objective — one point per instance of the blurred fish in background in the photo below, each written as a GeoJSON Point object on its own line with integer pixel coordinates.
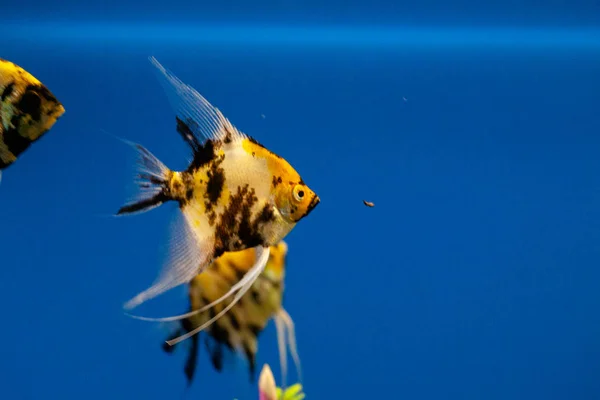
{"type": "Point", "coordinates": [239, 328]}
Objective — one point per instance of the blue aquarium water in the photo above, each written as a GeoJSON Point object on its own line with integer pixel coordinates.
{"type": "Point", "coordinates": [475, 130]}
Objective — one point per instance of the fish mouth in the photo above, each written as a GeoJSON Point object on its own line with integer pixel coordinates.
{"type": "Point", "coordinates": [313, 203]}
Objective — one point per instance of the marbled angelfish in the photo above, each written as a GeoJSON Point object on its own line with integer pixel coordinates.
{"type": "Point", "coordinates": [238, 330]}
{"type": "Point", "coordinates": [234, 195]}
{"type": "Point", "coordinates": [27, 111]}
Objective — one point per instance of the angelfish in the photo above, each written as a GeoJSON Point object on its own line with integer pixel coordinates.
{"type": "Point", "coordinates": [234, 195]}
{"type": "Point", "coordinates": [239, 329]}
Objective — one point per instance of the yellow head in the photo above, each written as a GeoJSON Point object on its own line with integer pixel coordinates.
{"type": "Point", "coordinates": [293, 198]}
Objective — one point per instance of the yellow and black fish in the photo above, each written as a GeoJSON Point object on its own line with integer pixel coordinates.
{"type": "Point", "coordinates": [27, 111]}
{"type": "Point", "coordinates": [234, 195]}
{"type": "Point", "coordinates": [238, 329]}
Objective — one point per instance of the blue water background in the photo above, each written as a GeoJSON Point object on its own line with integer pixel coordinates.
{"type": "Point", "coordinates": [474, 128]}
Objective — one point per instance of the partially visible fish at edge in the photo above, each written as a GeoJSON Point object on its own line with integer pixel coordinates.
{"type": "Point", "coordinates": [235, 194]}
{"type": "Point", "coordinates": [27, 111]}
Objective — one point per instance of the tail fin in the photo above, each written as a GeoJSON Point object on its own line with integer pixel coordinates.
{"type": "Point", "coordinates": [153, 181]}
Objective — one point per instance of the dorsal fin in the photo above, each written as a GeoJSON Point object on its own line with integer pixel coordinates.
{"type": "Point", "coordinates": [193, 111]}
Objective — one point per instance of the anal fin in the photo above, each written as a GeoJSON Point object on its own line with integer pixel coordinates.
{"type": "Point", "coordinates": [192, 252]}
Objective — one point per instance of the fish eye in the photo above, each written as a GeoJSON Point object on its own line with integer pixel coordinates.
{"type": "Point", "coordinates": [298, 193]}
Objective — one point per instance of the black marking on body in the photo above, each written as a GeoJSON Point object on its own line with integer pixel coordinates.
{"type": "Point", "coordinates": [27, 114]}
{"type": "Point", "coordinates": [153, 201]}
{"type": "Point", "coordinates": [276, 180]}
{"type": "Point", "coordinates": [252, 140]}
{"type": "Point", "coordinates": [233, 220]}
{"type": "Point", "coordinates": [205, 301]}
{"type": "Point", "coordinates": [176, 187]}
{"type": "Point", "coordinates": [256, 296]}
{"type": "Point", "coordinates": [216, 180]}
{"type": "Point", "coordinates": [228, 134]}
{"type": "Point", "coordinates": [187, 134]}
{"type": "Point", "coordinates": [203, 153]}
{"type": "Point", "coordinates": [276, 285]}
{"type": "Point", "coordinates": [249, 232]}
{"type": "Point", "coordinates": [248, 236]}
{"type": "Point", "coordinates": [7, 91]}
{"type": "Point", "coordinates": [203, 156]}
{"type": "Point", "coordinates": [187, 324]}
{"type": "Point", "coordinates": [47, 95]}
{"type": "Point", "coordinates": [220, 334]}
{"type": "Point", "coordinates": [235, 324]}
{"type": "Point", "coordinates": [31, 103]}
{"type": "Point", "coordinates": [14, 141]}
{"type": "Point", "coordinates": [182, 191]}
{"type": "Point", "coordinates": [254, 329]}
{"type": "Point", "coordinates": [216, 354]}
{"type": "Point", "coordinates": [12, 138]}
{"type": "Point", "coordinates": [214, 187]}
